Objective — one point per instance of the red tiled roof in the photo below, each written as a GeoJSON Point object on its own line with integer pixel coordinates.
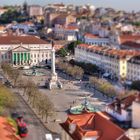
{"type": "Point", "coordinates": [7, 132]}
{"type": "Point", "coordinates": [21, 39]}
{"type": "Point", "coordinates": [130, 40]}
{"type": "Point", "coordinates": [126, 102]}
{"type": "Point", "coordinates": [71, 28]}
{"type": "Point", "coordinates": [111, 52]}
{"type": "Point", "coordinates": [131, 44]}
{"type": "Point", "coordinates": [93, 124]}
{"type": "Point", "coordinates": [91, 35]}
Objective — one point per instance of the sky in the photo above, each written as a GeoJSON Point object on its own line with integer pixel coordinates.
{"type": "Point", "coordinates": [127, 5]}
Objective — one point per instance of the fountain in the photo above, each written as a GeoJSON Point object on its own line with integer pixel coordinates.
{"type": "Point", "coordinates": [33, 72]}
{"type": "Point", "coordinates": [84, 107]}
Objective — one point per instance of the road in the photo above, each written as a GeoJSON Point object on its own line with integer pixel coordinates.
{"type": "Point", "coordinates": [36, 129]}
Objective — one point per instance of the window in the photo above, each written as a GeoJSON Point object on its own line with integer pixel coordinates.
{"type": "Point", "coordinates": [35, 55]}
{"type": "Point", "coordinates": [5, 56]}
{"type": "Point", "coordinates": [123, 67]}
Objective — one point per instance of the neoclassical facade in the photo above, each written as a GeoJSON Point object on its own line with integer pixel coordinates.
{"type": "Point", "coordinates": [24, 50]}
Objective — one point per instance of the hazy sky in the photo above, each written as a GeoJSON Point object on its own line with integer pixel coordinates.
{"type": "Point", "coordinates": [128, 5]}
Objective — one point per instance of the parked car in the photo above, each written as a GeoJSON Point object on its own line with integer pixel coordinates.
{"type": "Point", "coordinates": [22, 126]}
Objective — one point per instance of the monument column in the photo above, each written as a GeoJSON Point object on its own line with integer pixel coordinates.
{"type": "Point", "coordinates": [53, 61]}
{"type": "Point", "coordinates": [53, 81]}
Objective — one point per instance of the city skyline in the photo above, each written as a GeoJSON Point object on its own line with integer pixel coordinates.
{"type": "Point", "coordinates": [117, 4]}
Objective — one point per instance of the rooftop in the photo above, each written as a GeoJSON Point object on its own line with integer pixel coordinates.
{"type": "Point", "coordinates": [21, 39]}
{"type": "Point", "coordinates": [92, 125]}
{"type": "Point", "coordinates": [110, 51]}
{"type": "Point", "coordinates": [7, 132]}
{"type": "Point", "coordinates": [130, 40]}
{"type": "Point", "coordinates": [123, 103]}
{"type": "Point", "coordinates": [91, 35]}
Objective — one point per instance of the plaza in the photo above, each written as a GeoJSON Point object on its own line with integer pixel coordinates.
{"type": "Point", "coordinates": [72, 94]}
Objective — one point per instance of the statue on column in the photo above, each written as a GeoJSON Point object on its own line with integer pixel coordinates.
{"type": "Point", "coordinates": [53, 82]}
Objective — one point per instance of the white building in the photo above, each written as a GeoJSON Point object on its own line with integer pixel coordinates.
{"type": "Point", "coordinates": [68, 33]}
{"type": "Point", "coordinates": [112, 61]}
{"type": "Point", "coordinates": [96, 40]}
{"type": "Point", "coordinates": [124, 64]}
{"type": "Point", "coordinates": [24, 50]}
{"type": "Point", "coordinates": [23, 28]}
{"type": "Point", "coordinates": [121, 109]}
{"type": "Point", "coordinates": [133, 68]}
{"type": "Point", "coordinates": [35, 10]}
{"type": "Point", "coordinates": [136, 113]}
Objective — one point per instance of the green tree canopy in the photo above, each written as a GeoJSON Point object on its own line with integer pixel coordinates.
{"type": "Point", "coordinates": [136, 85]}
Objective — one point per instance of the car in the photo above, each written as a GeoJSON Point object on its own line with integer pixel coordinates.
{"type": "Point", "coordinates": [8, 84]}
{"type": "Point", "coordinates": [21, 125]}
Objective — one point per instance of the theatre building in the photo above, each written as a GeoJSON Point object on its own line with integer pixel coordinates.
{"type": "Point", "coordinates": [24, 50]}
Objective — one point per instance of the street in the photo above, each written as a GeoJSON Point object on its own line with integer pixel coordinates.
{"type": "Point", "coordinates": [36, 130]}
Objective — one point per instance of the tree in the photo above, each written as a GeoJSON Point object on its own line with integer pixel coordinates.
{"type": "Point", "coordinates": [103, 86]}
{"type": "Point", "coordinates": [12, 15]}
{"type": "Point", "coordinates": [25, 6]}
{"type": "Point", "coordinates": [72, 46]}
{"type": "Point", "coordinates": [7, 98]}
{"type": "Point", "coordinates": [62, 52]}
{"type": "Point", "coordinates": [14, 75]}
{"type": "Point", "coordinates": [11, 73]}
{"type": "Point", "coordinates": [136, 85]}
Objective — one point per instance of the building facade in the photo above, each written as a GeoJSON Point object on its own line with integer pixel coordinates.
{"type": "Point", "coordinates": [112, 61]}
{"type": "Point", "coordinates": [69, 33]}
{"type": "Point", "coordinates": [135, 114]}
{"type": "Point", "coordinates": [24, 50]}
{"type": "Point", "coordinates": [35, 10]}
{"type": "Point", "coordinates": [96, 40]}
{"type": "Point", "coordinates": [91, 126]}
{"type": "Point", "coordinates": [133, 71]}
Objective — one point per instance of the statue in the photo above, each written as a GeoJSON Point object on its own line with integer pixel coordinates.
{"type": "Point", "coordinates": [53, 82]}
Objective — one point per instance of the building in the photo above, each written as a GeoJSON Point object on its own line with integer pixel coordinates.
{"type": "Point", "coordinates": [7, 130]}
{"type": "Point", "coordinates": [51, 19]}
{"type": "Point", "coordinates": [2, 29]}
{"type": "Point", "coordinates": [24, 28]}
{"type": "Point", "coordinates": [24, 50]}
{"type": "Point", "coordinates": [96, 40]}
{"type": "Point", "coordinates": [112, 61]}
{"type": "Point", "coordinates": [2, 10]}
{"type": "Point", "coordinates": [130, 42]}
{"type": "Point", "coordinates": [68, 33]}
{"type": "Point", "coordinates": [35, 10]}
{"type": "Point", "coordinates": [121, 109]}
{"type": "Point", "coordinates": [91, 126]}
{"type": "Point", "coordinates": [133, 69]}
{"type": "Point", "coordinates": [136, 113]}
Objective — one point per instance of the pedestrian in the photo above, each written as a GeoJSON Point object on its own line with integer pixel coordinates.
{"type": "Point", "coordinates": [73, 101]}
